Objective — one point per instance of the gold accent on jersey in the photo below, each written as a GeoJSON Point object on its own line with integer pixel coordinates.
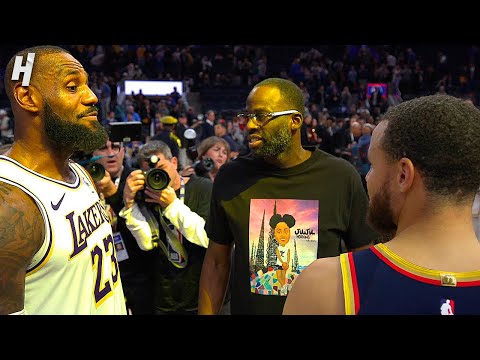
{"type": "Point", "coordinates": [448, 280]}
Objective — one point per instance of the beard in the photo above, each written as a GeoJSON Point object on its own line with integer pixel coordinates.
{"type": "Point", "coordinates": [276, 144]}
{"type": "Point", "coordinates": [73, 135]}
{"type": "Point", "coordinates": [380, 214]}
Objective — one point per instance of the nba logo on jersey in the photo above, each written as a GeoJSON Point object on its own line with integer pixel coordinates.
{"type": "Point", "coordinates": [447, 307]}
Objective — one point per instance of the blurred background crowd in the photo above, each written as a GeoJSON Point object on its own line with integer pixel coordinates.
{"type": "Point", "coordinates": [347, 87]}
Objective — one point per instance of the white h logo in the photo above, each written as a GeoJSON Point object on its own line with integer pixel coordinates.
{"type": "Point", "coordinates": [26, 69]}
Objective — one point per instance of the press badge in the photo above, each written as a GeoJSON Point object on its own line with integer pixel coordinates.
{"type": "Point", "coordinates": [175, 257]}
{"type": "Point", "coordinates": [120, 249]}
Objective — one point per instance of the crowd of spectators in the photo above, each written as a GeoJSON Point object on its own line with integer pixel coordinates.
{"type": "Point", "coordinates": [335, 80]}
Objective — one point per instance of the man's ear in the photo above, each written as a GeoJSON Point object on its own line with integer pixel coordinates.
{"type": "Point", "coordinates": [174, 161]}
{"type": "Point", "coordinates": [26, 97]}
{"type": "Point", "coordinates": [406, 174]}
{"type": "Point", "coordinates": [296, 122]}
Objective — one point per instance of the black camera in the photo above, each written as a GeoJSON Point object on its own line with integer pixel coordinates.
{"type": "Point", "coordinates": [203, 166]}
{"type": "Point", "coordinates": [96, 171]}
{"type": "Point", "coordinates": [157, 179]}
{"type": "Point", "coordinates": [125, 131]}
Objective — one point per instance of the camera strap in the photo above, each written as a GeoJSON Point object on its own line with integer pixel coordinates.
{"type": "Point", "coordinates": [176, 252]}
{"type": "Point", "coordinates": [110, 212]}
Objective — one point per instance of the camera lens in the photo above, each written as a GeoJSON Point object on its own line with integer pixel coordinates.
{"type": "Point", "coordinates": [203, 166]}
{"type": "Point", "coordinates": [157, 179]}
{"type": "Point", "coordinates": [96, 170]}
{"type": "Point", "coordinates": [208, 164]}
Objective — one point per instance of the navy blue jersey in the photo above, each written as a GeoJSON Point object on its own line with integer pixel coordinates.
{"type": "Point", "coordinates": [376, 281]}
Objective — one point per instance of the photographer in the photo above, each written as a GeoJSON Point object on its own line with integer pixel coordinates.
{"type": "Point", "coordinates": [169, 223]}
{"type": "Point", "coordinates": [214, 148]}
{"type": "Point", "coordinates": [135, 264]}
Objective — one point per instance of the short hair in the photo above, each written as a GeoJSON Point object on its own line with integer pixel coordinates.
{"type": "Point", "coordinates": [39, 52]}
{"type": "Point", "coordinates": [209, 142]}
{"type": "Point", "coordinates": [440, 134]}
{"type": "Point", "coordinates": [292, 95]}
{"type": "Point", "coordinates": [277, 218]}
{"type": "Point", "coordinates": [153, 147]}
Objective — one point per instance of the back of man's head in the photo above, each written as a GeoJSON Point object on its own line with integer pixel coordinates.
{"type": "Point", "coordinates": [440, 134]}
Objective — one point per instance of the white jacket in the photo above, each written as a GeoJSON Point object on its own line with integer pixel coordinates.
{"type": "Point", "coordinates": [190, 224]}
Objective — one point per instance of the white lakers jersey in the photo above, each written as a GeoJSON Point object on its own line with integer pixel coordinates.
{"type": "Point", "coordinates": [76, 270]}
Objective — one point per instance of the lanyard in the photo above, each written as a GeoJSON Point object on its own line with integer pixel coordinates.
{"type": "Point", "coordinates": [175, 251]}
{"type": "Point", "coordinates": [117, 180]}
{"type": "Point", "coordinates": [182, 199]}
{"type": "Point", "coordinates": [182, 189]}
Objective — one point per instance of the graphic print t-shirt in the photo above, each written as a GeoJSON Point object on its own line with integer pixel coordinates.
{"type": "Point", "coordinates": [264, 262]}
{"type": "Point", "coordinates": [324, 195]}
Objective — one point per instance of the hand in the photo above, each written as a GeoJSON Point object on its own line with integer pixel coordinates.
{"type": "Point", "coordinates": [284, 265]}
{"type": "Point", "coordinates": [106, 186]}
{"type": "Point", "coordinates": [188, 171]}
{"type": "Point", "coordinates": [135, 182]}
{"type": "Point", "coordinates": [163, 197]}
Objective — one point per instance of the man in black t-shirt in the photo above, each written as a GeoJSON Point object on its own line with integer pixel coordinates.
{"type": "Point", "coordinates": [322, 192]}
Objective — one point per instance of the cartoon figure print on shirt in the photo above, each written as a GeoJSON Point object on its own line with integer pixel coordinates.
{"type": "Point", "coordinates": [283, 240]}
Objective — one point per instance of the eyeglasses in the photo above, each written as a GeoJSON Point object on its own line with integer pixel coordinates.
{"type": "Point", "coordinates": [111, 150]}
{"type": "Point", "coordinates": [261, 119]}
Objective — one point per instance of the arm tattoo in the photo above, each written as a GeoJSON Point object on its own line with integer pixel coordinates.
{"type": "Point", "coordinates": [21, 235]}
